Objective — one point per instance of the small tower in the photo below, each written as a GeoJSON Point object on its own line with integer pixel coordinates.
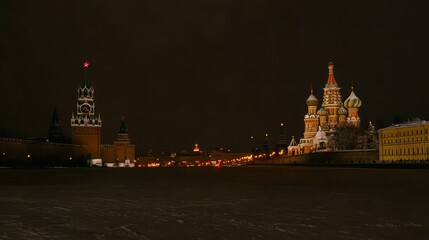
{"type": "Point", "coordinates": [266, 148]}
{"type": "Point", "coordinates": [281, 142]}
{"type": "Point", "coordinates": [342, 116]}
{"type": "Point", "coordinates": [323, 119]}
{"type": "Point", "coordinates": [55, 132]}
{"type": "Point", "coordinates": [123, 149]}
{"type": "Point", "coordinates": [85, 125]}
{"type": "Point", "coordinates": [332, 97]}
{"type": "Point", "coordinates": [311, 121]}
{"type": "Point", "coordinates": [293, 148]}
{"type": "Point", "coordinates": [353, 103]}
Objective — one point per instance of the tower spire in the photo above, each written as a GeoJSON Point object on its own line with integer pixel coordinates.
{"type": "Point", "coordinates": [123, 129]}
{"type": "Point", "coordinates": [331, 77]}
{"type": "Point", "coordinates": [85, 67]}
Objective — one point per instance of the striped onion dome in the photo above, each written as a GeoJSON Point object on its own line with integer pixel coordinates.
{"type": "Point", "coordinates": [312, 100]}
{"type": "Point", "coordinates": [322, 112]}
{"type": "Point", "coordinates": [352, 101]}
{"type": "Point", "coordinates": [342, 111]}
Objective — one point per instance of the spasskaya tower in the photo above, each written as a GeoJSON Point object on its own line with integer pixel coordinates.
{"type": "Point", "coordinates": [85, 125]}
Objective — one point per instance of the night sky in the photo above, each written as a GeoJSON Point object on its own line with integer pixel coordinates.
{"type": "Point", "coordinates": [212, 71]}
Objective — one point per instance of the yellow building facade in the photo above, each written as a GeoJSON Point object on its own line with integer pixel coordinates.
{"type": "Point", "coordinates": [404, 142]}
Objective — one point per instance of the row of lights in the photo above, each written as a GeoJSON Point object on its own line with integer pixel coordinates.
{"type": "Point", "coordinates": [29, 156]}
{"type": "Point", "coordinates": [213, 163]}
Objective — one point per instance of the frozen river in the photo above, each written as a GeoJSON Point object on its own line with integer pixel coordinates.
{"type": "Point", "coordinates": [208, 203]}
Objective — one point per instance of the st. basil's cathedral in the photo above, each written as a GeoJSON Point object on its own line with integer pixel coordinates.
{"type": "Point", "coordinates": [321, 123]}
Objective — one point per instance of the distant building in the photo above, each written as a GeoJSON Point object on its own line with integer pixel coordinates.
{"type": "Point", "coordinates": [405, 141]}
{"type": "Point", "coordinates": [196, 148]}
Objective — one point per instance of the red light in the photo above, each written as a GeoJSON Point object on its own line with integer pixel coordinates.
{"type": "Point", "coordinates": [86, 64]}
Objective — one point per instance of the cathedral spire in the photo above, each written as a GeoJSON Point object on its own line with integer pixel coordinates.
{"type": "Point", "coordinates": [331, 77]}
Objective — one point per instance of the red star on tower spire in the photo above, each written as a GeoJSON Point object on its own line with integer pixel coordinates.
{"type": "Point", "coordinates": [86, 64]}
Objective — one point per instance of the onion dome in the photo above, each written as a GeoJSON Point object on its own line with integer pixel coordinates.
{"type": "Point", "coordinates": [352, 101]}
{"type": "Point", "coordinates": [312, 100]}
{"type": "Point", "coordinates": [322, 112]}
{"type": "Point", "coordinates": [342, 111]}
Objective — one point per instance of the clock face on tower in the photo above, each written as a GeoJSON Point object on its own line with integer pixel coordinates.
{"type": "Point", "coordinates": [85, 108]}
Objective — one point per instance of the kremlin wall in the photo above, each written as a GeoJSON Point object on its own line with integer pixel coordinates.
{"type": "Point", "coordinates": [84, 148]}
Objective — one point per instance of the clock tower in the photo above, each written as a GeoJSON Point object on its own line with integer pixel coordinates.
{"type": "Point", "coordinates": [85, 125]}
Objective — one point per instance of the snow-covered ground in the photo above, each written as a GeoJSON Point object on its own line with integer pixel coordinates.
{"type": "Point", "coordinates": [209, 203]}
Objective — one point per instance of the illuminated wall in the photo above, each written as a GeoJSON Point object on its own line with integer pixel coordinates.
{"type": "Point", "coordinates": [406, 141]}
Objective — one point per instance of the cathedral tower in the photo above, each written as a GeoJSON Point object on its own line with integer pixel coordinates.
{"type": "Point", "coordinates": [332, 98]}
{"type": "Point", "coordinates": [311, 121]}
{"type": "Point", "coordinates": [85, 125]}
{"type": "Point", "coordinates": [342, 116]}
{"type": "Point", "coordinates": [353, 103]}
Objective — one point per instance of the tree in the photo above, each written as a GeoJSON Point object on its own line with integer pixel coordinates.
{"type": "Point", "coordinates": [349, 138]}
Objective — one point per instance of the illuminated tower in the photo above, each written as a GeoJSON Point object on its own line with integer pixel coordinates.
{"type": "Point", "coordinates": [281, 142]}
{"type": "Point", "coordinates": [353, 103]}
{"type": "Point", "coordinates": [124, 151]}
{"type": "Point", "coordinates": [85, 125]}
{"type": "Point", "coordinates": [332, 98]}
{"type": "Point", "coordinates": [311, 122]}
{"type": "Point", "coordinates": [323, 119]}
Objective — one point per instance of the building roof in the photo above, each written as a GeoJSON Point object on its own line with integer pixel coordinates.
{"type": "Point", "coordinates": [312, 100]}
{"type": "Point", "coordinates": [293, 142]}
{"type": "Point", "coordinates": [410, 123]}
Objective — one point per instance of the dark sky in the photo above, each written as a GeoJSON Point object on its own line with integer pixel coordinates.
{"type": "Point", "coordinates": [215, 71]}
